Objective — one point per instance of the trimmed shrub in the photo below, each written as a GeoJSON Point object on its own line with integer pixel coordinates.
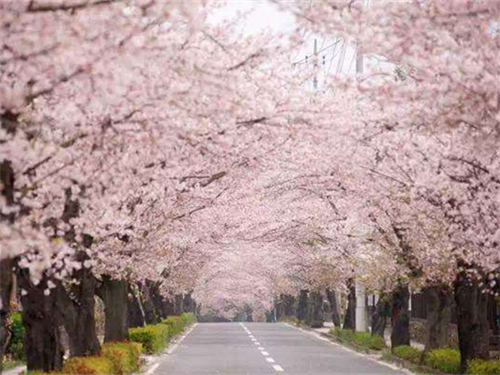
{"type": "Point", "coordinates": [362, 339]}
{"type": "Point", "coordinates": [367, 340]}
{"type": "Point", "coordinates": [188, 319]}
{"type": "Point", "coordinates": [408, 353]}
{"type": "Point", "coordinates": [88, 366]}
{"type": "Point", "coordinates": [154, 338]}
{"type": "Point", "coordinates": [444, 359]}
{"type": "Point", "coordinates": [174, 323]}
{"type": "Point", "coordinates": [125, 356]}
{"type": "Point", "coordinates": [482, 367]}
{"type": "Point", "coordinates": [15, 348]}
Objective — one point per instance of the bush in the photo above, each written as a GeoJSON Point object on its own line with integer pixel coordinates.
{"type": "Point", "coordinates": [444, 360]}
{"type": "Point", "coordinates": [174, 323]}
{"type": "Point", "coordinates": [408, 353]}
{"type": "Point", "coordinates": [125, 356]}
{"type": "Point", "coordinates": [15, 348]}
{"type": "Point", "coordinates": [188, 319]}
{"type": "Point", "coordinates": [154, 338]}
{"type": "Point", "coordinates": [88, 366]}
{"type": "Point", "coordinates": [362, 339]}
{"type": "Point", "coordinates": [482, 367]}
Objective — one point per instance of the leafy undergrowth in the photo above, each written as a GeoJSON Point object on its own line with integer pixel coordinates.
{"type": "Point", "coordinates": [360, 340]}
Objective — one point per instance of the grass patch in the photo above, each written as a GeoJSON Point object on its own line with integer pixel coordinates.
{"type": "Point", "coordinates": [88, 366]}
{"type": "Point", "coordinates": [125, 356]}
{"type": "Point", "coordinates": [408, 353]}
{"type": "Point", "coordinates": [444, 360]}
{"type": "Point", "coordinates": [482, 367]}
{"type": "Point", "coordinates": [362, 340]}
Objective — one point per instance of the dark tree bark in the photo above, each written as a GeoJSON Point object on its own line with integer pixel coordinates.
{"type": "Point", "coordinates": [315, 311]}
{"type": "Point", "coordinates": [114, 295]}
{"type": "Point", "coordinates": [179, 304]}
{"type": "Point", "coordinates": [5, 293]}
{"type": "Point", "coordinates": [134, 308]}
{"type": "Point", "coordinates": [438, 306]}
{"type": "Point", "coordinates": [41, 320]}
{"type": "Point", "coordinates": [350, 314]}
{"type": "Point", "coordinates": [380, 315]}
{"type": "Point", "coordinates": [168, 307]}
{"type": "Point", "coordinates": [150, 313]}
{"type": "Point", "coordinates": [7, 192]}
{"type": "Point", "coordinates": [332, 299]}
{"type": "Point", "coordinates": [302, 305]}
{"type": "Point", "coordinates": [472, 320]}
{"type": "Point", "coordinates": [77, 307]}
{"type": "Point", "coordinates": [188, 304]}
{"type": "Point", "coordinates": [289, 305]}
{"type": "Point", "coordinates": [400, 317]}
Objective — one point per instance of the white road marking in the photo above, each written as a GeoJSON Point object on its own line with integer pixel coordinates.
{"type": "Point", "coordinates": [278, 368]}
{"type": "Point", "coordinates": [269, 359]}
{"type": "Point", "coordinates": [265, 354]}
{"type": "Point", "coordinates": [261, 348]}
{"type": "Point", "coordinates": [256, 343]}
{"type": "Point", "coordinates": [152, 369]}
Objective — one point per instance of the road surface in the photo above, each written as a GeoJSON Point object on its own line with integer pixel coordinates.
{"type": "Point", "coordinates": [261, 349]}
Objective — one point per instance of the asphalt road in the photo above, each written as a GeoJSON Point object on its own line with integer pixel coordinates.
{"type": "Point", "coordinates": [260, 349]}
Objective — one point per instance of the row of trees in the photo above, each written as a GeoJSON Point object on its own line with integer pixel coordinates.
{"type": "Point", "coordinates": [142, 143]}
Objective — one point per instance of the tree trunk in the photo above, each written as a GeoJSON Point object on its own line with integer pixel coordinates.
{"type": "Point", "coordinates": [289, 307]}
{"type": "Point", "coordinates": [41, 319]}
{"type": "Point", "coordinates": [438, 305]}
{"type": "Point", "coordinates": [302, 305]}
{"type": "Point", "coordinates": [147, 303]}
{"type": "Point", "coordinates": [179, 304]}
{"type": "Point", "coordinates": [332, 298]}
{"type": "Point", "coordinates": [188, 303]}
{"type": "Point", "coordinates": [379, 317]}
{"type": "Point", "coordinates": [5, 292]}
{"type": "Point", "coordinates": [134, 308]}
{"type": "Point", "coordinates": [350, 314]}
{"type": "Point", "coordinates": [315, 310]}
{"type": "Point", "coordinates": [400, 317]}
{"type": "Point", "coordinates": [167, 307]}
{"type": "Point", "coordinates": [77, 308]}
{"type": "Point", "coordinates": [472, 320]}
{"type": "Point", "coordinates": [114, 295]}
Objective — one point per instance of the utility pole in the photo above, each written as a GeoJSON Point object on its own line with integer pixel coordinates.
{"type": "Point", "coordinates": [315, 66]}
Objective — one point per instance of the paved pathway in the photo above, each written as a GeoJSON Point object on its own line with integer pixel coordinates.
{"type": "Point", "coordinates": [261, 349]}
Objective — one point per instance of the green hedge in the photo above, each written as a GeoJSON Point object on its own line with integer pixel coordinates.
{"type": "Point", "coordinates": [188, 319]}
{"type": "Point", "coordinates": [174, 323]}
{"type": "Point", "coordinates": [88, 366]}
{"type": "Point", "coordinates": [117, 358]}
{"type": "Point", "coordinates": [444, 359]}
{"type": "Point", "coordinates": [362, 339]}
{"type": "Point", "coordinates": [408, 353]}
{"type": "Point", "coordinates": [125, 356]}
{"type": "Point", "coordinates": [15, 348]}
{"type": "Point", "coordinates": [154, 338]}
{"type": "Point", "coordinates": [482, 367]}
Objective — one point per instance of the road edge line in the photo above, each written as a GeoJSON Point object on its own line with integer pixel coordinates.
{"type": "Point", "coordinates": [181, 339]}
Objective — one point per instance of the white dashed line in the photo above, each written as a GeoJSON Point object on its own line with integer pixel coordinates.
{"type": "Point", "coordinates": [278, 368]}
{"type": "Point", "coordinates": [261, 348]}
{"type": "Point", "coordinates": [269, 359]}
{"type": "Point", "coordinates": [265, 354]}
{"type": "Point", "coordinates": [256, 343]}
